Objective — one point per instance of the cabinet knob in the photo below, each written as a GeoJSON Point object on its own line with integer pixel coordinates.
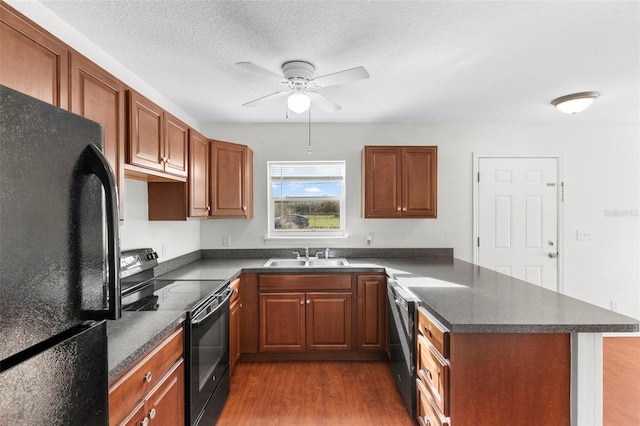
{"type": "Point", "coordinates": [302, 302]}
{"type": "Point", "coordinates": [145, 422]}
{"type": "Point", "coordinates": [148, 377]}
{"type": "Point", "coordinates": [399, 209]}
{"type": "Point", "coordinates": [208, 208]}
{"type": "Point", "coordinates": [404, 209]}
{"type": "Point", "coordinates": [244, 208]}
{"type": "Point", "coordinates": [152, 414]}
{"type": "Point", "coordinates": [168, 160]}
{"type": "Point", "coordinates": [308, 301]}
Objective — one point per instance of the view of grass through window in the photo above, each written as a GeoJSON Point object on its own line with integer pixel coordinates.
{"type": "Point", "coordinates": [307, 196]}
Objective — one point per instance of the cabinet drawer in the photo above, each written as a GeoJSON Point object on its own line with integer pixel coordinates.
{"type": "Point", "coordinates": [428, 414]}
{"type": "Point", "coordinates": [305, 282]}
{"type": "Point", "coordinates": [437, 335]}
{"type": "Point", "coordinates": [131, 387]}
{"type": "Point", "coordinates": [434, 372]}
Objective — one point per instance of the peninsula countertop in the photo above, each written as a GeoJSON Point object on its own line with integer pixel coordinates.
{"type": "Point", "coordinates": [464, 297]}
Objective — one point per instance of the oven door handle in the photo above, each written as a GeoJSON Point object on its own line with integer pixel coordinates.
{"type": "Point", "coordinates": [195, 322]}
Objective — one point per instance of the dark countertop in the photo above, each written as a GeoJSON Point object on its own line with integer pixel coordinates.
{"type": "Point", "coordinates": [130, 337]}
{"type": "Point", "coordinates": [463, 297]}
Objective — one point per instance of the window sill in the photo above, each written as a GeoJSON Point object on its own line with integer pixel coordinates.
{"type": "Point", "coordinates": [319, 239]}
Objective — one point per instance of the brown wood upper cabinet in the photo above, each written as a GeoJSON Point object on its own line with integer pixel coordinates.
{"type": "Point", "coordinates": [231, 180]}
{"type": "Point", "coordinates": [33, 61]}
{"type": "Point", "coordinates": [158, 141]}
{"type": "Point", "coordinates": [99, 96]}
{"type": "Point", "coordinates": [400, 181]}
{"type": "Point", "coordinates": [199, 203]}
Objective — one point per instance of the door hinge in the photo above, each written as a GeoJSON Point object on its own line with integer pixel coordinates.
{"type": "Point", "coordinates": [561, 191]}
{"type": "Point", "coordinates": [478, 176]}
{"type": "Point", "coordinates": [478, 241]}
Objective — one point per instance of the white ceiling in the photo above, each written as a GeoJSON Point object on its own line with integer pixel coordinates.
{"type": "Point", "coordinates": [429, 61]}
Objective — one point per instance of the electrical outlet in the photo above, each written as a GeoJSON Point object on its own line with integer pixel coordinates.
{"type": "Point", "coordinates": [583, 235]}
{"type": "Point", "coordinates": [226, 241]}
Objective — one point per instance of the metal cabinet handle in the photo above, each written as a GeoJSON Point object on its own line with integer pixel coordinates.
{"type": "Point", "coordinates": [148, 377]}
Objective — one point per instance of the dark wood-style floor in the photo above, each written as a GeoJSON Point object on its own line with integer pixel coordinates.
{"type": "Point", "coordinates": [314, 393]}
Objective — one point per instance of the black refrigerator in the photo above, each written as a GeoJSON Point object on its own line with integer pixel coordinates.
{"type": "Point", "coordinates": [59, 254]}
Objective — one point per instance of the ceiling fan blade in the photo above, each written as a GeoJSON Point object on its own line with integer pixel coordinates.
{"type": "Point", "coordinates": [257, 69]}
{"type": "Point", "coordinates": [264, 98]}
{"type": "Point", "coordinates": [352, 74]}
{"type": "Point", "coordinates": [323, 102]}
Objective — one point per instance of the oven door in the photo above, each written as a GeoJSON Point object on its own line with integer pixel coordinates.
{"type": "Point", "coordinates": [209, 357]}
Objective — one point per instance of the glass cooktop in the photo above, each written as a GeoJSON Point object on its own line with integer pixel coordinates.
{"type": "Point", "coordinates": [176, 295]}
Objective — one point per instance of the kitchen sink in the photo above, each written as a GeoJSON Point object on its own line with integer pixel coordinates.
{"type": "Point", "coordinates": [285, 263]}
{"type": "Point", "coordinates": [328, 262]}
{"type": "Point", "coordinates": [301, 263]}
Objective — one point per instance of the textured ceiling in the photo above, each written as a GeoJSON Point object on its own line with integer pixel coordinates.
{"type": "Point", "coordinates": [429, 61]}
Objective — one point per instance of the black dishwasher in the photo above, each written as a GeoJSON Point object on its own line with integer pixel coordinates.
{"type": "Point", "coordinates": [402, 342]}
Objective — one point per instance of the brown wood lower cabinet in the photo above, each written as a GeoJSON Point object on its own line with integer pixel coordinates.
{"type": "Point", "coordinates": [310, 321]}
{"type": "Point", "coordinates": [314, 316]}
{"type": "Point", "coordinates": [492, 378]}
{"type": "Point", "coordinates": [234, 323]}
{"type": "Point", "coordinates": [153, 388]}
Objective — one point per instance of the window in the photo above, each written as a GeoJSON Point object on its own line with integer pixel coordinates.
{"type": "Point", "coordinates": [306, 199]}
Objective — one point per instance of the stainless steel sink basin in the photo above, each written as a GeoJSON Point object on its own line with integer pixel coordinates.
{"type": "Point", "coordinates": [328, 262]}
{"type": "Point", "coordinates": [301, 263]}
{"type": "Point", "coordinates": [285, 263]}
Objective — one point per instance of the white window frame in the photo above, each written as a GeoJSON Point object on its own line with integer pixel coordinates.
{"type": "Point", "coordinates": [276, 234]}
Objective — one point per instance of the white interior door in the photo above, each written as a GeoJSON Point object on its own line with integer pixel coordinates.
{"type": "Point", "coordinates": [517, 217]}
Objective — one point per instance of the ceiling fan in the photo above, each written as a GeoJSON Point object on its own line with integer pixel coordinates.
{"type": "Point", "coordinates": [302, 86]}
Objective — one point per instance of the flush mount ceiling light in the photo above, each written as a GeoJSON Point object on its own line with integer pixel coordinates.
{"type": "Point", "coordinates": [577, 102]}
{"type": "Point", "coordinates": [298, 102]}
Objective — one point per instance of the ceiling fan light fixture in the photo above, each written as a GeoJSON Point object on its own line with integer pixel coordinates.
{"type": "Point", "coordinates": [298, 102]}
{"type": "Point", "coordinates": [574, 103]}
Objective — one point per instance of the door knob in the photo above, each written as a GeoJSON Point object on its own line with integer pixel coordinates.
{"type": "Point", "coordinates": [553, 255]}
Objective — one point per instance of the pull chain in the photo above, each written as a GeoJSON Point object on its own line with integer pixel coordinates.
{"type": "Point", "coordinates": [309, 148]}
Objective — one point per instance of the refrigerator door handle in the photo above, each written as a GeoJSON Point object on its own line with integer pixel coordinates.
{"type": "Point", "coordinates": [97, 164]}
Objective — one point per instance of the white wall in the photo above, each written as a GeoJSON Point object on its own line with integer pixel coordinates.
{"type": "Point", "coordinates": [170, 239]}
{"type": "Point", "coordinates": [600, 165]}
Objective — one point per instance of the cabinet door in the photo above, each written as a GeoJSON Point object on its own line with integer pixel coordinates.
{"type": "Point", "coordinates": [98, 96]}
{"type": "Point", "coordinates": [234, 333]}
{"type": "Point", "coordinates": [282, 317]}
{"type": "Point", "coordinates": [176, 142]}
{"type": "Point", "coordinates": [145, 133]}
{"type": "Point", "coordinates": [136, 418]}
{"type": "Point", "coordinates": [165, 404]}
{"type": "Point", "coordinates": [419, 181]}
{"type": "Point", "coordinates": [328, 321]}
{"type": "Point", "coordinates": [33, 61]}
{"type": "Point", "coordinates": [382, 182]}
{"type": "Point", "coordinates": [231, 180]}
{"type": "Point", "coordinates": [198, 175]}
{"type": "Point", "coordinates": [372, 312]}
